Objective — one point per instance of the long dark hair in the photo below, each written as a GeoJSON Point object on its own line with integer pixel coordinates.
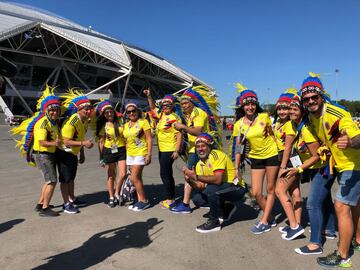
{"type": "Point", "coordinates": [239, 112]}
{"type": "Point", "coordinates": [101, 121]}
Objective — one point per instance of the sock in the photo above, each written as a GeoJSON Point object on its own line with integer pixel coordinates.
{"type": "Point", "coordinates": [297, 226]}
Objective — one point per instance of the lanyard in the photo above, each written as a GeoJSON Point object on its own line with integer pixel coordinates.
{"type": "Point", "coordinates": [247, 131]}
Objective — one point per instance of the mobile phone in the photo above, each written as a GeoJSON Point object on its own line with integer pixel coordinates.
{"type": "Point", "coordinates": [284, 174]}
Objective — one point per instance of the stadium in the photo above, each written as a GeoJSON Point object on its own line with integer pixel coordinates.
{"type": "Point", "coordinates": [48, 49]}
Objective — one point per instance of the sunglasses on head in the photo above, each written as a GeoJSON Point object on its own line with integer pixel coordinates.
{"type": "Point", "coordinates": [131, 111]}
{"type": "Point", "coordinates": [314, 98]}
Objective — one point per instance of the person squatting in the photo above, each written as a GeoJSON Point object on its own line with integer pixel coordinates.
{"type": "Point", "coordinates": [311, 139]}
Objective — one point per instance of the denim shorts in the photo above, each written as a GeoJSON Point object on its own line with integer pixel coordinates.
{"type": "Point", "coordinates": [349, 187]}
{"type": "Point", "coordinates": [46, 164]}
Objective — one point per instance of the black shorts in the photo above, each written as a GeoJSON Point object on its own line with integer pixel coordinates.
{"type": "Point", "coordinates": [288, 165]}
{"type": "Point", "coordinates": [67, 166]}
{"type": "Point", "coordinates": [109, 157]}
{"type": "Point", "coordinates": [262, 163]}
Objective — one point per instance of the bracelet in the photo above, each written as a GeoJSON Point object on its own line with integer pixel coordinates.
{"type": "Point", "coordinates": [300, 170]}
{"type": "Point", "coordinates": [283, 168]}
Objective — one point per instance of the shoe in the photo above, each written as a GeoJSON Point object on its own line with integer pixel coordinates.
{"type": "Point", "coordinates": [355, 245]}
{"type": "Point", "coordinates": [112, 203]}
{"type": "Point", "coordinates": [211, 225]}
{"type": "Point", "coordinates": [273, 223]}
{"type": "Point", "coordinates": [284, 229]}
{"type": "Point", "coordinates": [140, 206]}
{"type": "Point", "coordinates": [329, 235]}
{"type": "Point", "coordinates": [306, 251]}
{"type": "Point", "coordinates": [260, 228]}
{"type": "Point", "coordinates": [181, 208]}
{"type": "Point", "coordinates": [334, 260]}
{"type": "Point", "coordinates": [38, 207]}
{"type": "Point", "coordinates": [165, 205]}
{"type": "Point", "coordinates": [70, 209]}
{"type": "Point", "coordinates": [291, 234]}
{"type": "Point", "coordinates": [47, 212]}
{"type": "Point", "coordinates": [229, 211]}
{"type": "Point", "coordinates": [78, 203]}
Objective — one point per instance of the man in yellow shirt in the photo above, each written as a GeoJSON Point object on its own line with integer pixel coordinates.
{"type": "Point", "coordinates": [215, 178]}
{"type": "Point", "coordinates": [196, 122]}
{"type": "Point", "coordinates": [335, 128]}
{"type": "Point", "coordinates": [73, 132]}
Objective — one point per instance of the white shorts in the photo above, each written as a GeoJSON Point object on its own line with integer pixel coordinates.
{"type": "Point", "coordinates": [135, 160]}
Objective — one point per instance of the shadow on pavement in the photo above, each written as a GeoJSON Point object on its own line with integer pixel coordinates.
{"type": "Point", "coordinates": [9, 224]}
{"type": "Point", "coordinates": [243, 212]}
{"type": "Point", "coordinates": [156, 193]}
{"type": "Point", "coordinates": [103, 245]}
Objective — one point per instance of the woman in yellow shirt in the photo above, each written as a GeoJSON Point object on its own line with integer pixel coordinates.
{"type": "Point", "coordinates": [255, 127]}
{"type": "Point", "coordinates": [169, 141]}
{"type": "Point", "coordinates": [109, 132]}
{"type": "Point", "coordinates": [137, 133]}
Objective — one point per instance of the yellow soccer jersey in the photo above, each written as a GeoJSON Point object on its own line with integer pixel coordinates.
{"type": "Point", "coordinates": [165, 131]}
{"type": "Point", "coordinates": [329, 127]}
{"type": "Point", "coordinates": [135, 138]}
{"type": "Point", "coordinates": [306, 136]}
{"type": "Point", "coordinates": [74, 129]}
{"type": "Point", "coordinates": [217, 161]}
{"type": "Point", "coordinates": [197, 118]}
{"type": "Point", "coordinates": [261, 146]}
{"type": "Point", "coordinates": [280, 134]}
{"type": "Point", "coordinates": [44, 130]}
{"type": "Point", "coordinates": [110, 139]}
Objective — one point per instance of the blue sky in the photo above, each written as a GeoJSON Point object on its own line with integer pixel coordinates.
{"type": "Point", "coordinates": [267, 45]}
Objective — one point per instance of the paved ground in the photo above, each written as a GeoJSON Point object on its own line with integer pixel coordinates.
{"type": "Point", "coordinates": [103, 238]}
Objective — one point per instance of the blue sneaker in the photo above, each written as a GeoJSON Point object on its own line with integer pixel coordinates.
{"type": "Point", "coordinates": [273, 223]}
{"type": "Point", "coordinates": [260, 228]}
{"type": "Point", "coordinates": [140, 206]}
{"type": "Point", "coordinates": [69, 208]}
{"type": "Point", "coordinates": [181, 208]}
{"type": "Point", "coordinates": [284, 229]}
{"type": "Point", "coordinates": [291, 234]}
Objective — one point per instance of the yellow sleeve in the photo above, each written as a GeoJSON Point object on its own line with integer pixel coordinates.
{"type": "Point", "coordinates": [289, 128]}
{"type": "Point", "coordinates": [197, 169]}
{"type": "Point", "coordinates": [348, 125]}
{"type": "Point", "coordinates": [236, 128]}
{"type": "Point", "coordinates": [218, 162]}
{"type": "Point", "coordinates": [146, 125]}
{"type": "Point", "coordinates": [41, 133]}
{"type": "Point", "coordinates": [68, 131]}
{"type": "Point", "coordinates": [308, 135]}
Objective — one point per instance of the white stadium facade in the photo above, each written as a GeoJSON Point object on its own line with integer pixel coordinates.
{"type": "Point", "coordinates": [48, 49]}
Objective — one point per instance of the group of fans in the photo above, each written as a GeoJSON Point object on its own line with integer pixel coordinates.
{"type": "Point", "coordinates": [311, 139]}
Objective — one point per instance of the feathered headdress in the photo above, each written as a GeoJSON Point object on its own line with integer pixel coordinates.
{"type": "Point", "coordinates": [285, 98]}
{"type": "Point", "coordinates": [246, 95]}
{"type": "Point", "coordinates": [74, 99]}
{"type": "Point", "coordinates": [26, 128]}
{"type": "Point", "coordinates": [206, 99]}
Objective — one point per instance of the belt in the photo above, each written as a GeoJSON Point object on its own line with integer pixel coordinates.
{"type": "Point", "coordinates": [43, 152]}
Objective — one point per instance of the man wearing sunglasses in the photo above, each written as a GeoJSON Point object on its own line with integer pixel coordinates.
{"type": "Point", "coordinates": [73, 132]}
{"type": "Point", "coordinates": [335, 128]}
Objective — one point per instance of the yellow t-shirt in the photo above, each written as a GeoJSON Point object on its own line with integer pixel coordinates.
{"type": "Point", "coordinates": [306, 136]}
{"type": "Point", "coordinates": [218, 161]}
{"type": "Point", "coordinates": [261, 147]}
{"type": "Point", "coordinates": [110, 139]}
{"type": "Point", "coordinates": [135, 138]}
{"type": "Point", "coordinates": [74, 129]}
{"type": "Point", "coordinates": [44, 130]}
{"type": "Point", "coordinates": [197, 118]}
{"type": "Point", "coordinates": [280, 135]}
{"type": "Point", "coordinates": [165, 131]}
{"type": "Point", "coordinates": [329, 127]}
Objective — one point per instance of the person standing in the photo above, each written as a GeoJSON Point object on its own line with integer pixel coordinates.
{"type": "Point", "coordinates": [111, 142]}
{"type": "Point", "coordinates": [169, 142]}
{"type": "Point", "coordinates": [137, 134]}
{"type": "Point", "coordinates": [73, 132]}
{"type": "Point", "coordinates": [336, 129]}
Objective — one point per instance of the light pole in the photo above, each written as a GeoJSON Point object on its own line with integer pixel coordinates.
{"type": "Point", "coordinates": [336, 83]}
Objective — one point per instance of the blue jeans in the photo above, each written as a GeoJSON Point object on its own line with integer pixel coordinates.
{"type": "Point", "coordinates": [192, 160]}
{"type": "Point", "coordinates": [320, 206]}
{"type": "Point", "coordinates": [216, 195]}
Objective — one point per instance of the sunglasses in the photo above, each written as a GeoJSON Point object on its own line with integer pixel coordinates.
{"type": "Point", "coordinates": [314, 98]}
{"type": "Point", "coordinates": [166, 105]}
{"type": "Point", "coordinates": [132, 111]}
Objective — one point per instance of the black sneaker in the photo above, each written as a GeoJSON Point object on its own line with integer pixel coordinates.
{"type": "Point", "coordinates": [229, 211]}
{"type": "Point", "coordinates": [211, 225]}
{"type": "Point", "coordinates": [112, 203]}
{"type": "Point", "coordinates": [38, 207]}
{"type": "Point", "coordinates": [78, 203]}
{"type": "Point", "coordinates": [47, 212]}
{"type": "Point", "coordinates": [334, 260]}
